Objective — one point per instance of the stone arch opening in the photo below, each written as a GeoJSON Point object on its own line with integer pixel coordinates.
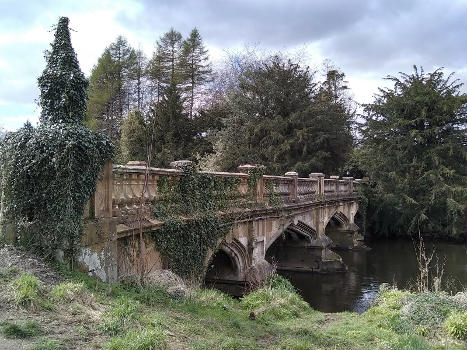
{"type": "Point", "coordinates": [339, 230]}
{"type": "Point", "coordinates": [226, 268]}
{"type": "Point", "coordinates": [293, 249]}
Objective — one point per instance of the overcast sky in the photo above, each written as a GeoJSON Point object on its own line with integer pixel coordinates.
{"type": "Point", "coordinates": [366, 39]}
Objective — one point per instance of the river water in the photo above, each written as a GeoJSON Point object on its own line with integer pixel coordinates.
{"type": "Point", "coordinates": [388, 261]}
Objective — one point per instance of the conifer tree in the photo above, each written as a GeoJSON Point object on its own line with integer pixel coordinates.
{"type": "Point", "coordinates": [195, 65]}
{"type": "Point", "coordinates": [62, 84]}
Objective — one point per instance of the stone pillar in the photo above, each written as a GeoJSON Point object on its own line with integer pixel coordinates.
{"type": "Point", "coordinates": [320, 178]}
{"type": "Point", "coordinates": [336, 182]}
{"type": "Point", "coordinates": [103, 195]}
{"type": "Point", "coordinates": [294, 186]}
{"type": "Point", "coordinates": [249, 169]}
{"type": "Point", "coordinates": [349, 179]}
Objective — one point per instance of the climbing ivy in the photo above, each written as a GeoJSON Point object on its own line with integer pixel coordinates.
{"type": "Point", "coordinates": [189, 208]}
{"type": "Point", "coordinates": [47, 175]}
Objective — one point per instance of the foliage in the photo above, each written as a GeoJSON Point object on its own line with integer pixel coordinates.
{"type": "Point", "coordinates": [134, 140]}
{"type": "Point", "coordinates": [456, 325]}
{"type": "Point", "coordinates": [413, 150]}
{"type": "Point", "coordinates": [113, 79]}
{"type": "Point", "coordinates": [26, 290]}
{"type": "Point", "coordinates": [146, 339]}
{"type": "Point", "coordinates": [277, 115]}
{"type": "Point", "coordinates": [26, 330]}
{"type": "Point", "coordinates": [62, 84]}
{"type": "Point", "coordinates": [191, 225]}
{"type": "Point", "coordinates": [195, 65]}
{"type": "Point", "coordinates": [49, 173]}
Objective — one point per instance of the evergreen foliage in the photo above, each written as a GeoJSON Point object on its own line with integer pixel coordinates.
{"type": "Point", "coordinates": [413, 150]}
{"type": "Point", "coordinates": [278, 116]}
{"type": "Point", "coordinates": [134, 139]}
{"type": "Point", "coordinates": [48, 173]}
{"type": "Point", "coordinates": [62, 84]}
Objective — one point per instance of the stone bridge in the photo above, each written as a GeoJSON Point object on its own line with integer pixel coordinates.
{"type": "Point", "coordinates": [315, 216]}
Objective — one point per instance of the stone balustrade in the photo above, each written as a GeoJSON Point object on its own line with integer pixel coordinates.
{"type": "Point", "coordinates": [125, 190]}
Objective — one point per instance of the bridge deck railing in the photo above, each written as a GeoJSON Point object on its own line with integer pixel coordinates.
{"type": "Point", "coordinates": [120, 190]}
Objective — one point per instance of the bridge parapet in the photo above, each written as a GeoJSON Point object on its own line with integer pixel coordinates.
{"type": "Point", "coordinates": [126, 189]}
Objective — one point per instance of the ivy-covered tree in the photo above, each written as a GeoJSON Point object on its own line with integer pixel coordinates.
{"type": "Point", "coordinates": [48, 173]}
{"type": "Point", "coordinates": [62, 84]}
{"type": "Point", "coordinates": [414, 151]}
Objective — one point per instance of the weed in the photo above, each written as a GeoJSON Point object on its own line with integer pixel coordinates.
{"type": "Point", "coordinates": [213, 298]}
{"type": "Point", "coordinates": [26, 290]}
{"type": "Point", "coordinates": [48, 344]}
{"type": "Point", "coordinates": [13, 330]}
{"type": "Point", "coordinates": [456, 325]}
{"type": "Point", "coordinates": [147, 339]}
{"type": "Point", "coordinates": [409, 342]}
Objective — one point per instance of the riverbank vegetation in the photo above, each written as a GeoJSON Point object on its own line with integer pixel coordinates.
{"type": "Point", "coordinates": [75, 311]}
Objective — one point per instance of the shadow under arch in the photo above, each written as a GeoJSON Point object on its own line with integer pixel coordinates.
{"type": "Point", "coordinates": [226, 268]}
{"type": "Point", "coordinates": [293, 249]}
{"type": "Point", "coordinates": [340, 231]}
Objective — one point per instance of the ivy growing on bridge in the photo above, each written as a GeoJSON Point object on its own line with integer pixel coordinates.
{"type": "Point", "coordinates": [189, 208]}
{"type": "Point", "coordinates": [48, 173]}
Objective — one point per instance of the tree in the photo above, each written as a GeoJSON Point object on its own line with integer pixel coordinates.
{"type": "Point", "coordinates": [413, 150]}
{"type": "Point", "coordinates": [195, 65]}
{"type": "Point", "coordinates": [173, 131]}
{"type": "Point", "coordinates": [278, 117]}
{"type": "Point", "coordinates": [62, 84]}
{"type": "Point", "coordinates": [111, 87]}
{"type": "Point", "coordinates": [134, 140]}
{"type": "Point", "coordinates": [164, 67]}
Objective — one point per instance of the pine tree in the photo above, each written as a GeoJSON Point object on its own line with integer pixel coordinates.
{"type": "Point", "coordinates": [134, 140]}
{"type": "Point", "coordinates": [195, 65]}
{"type": "Point", "coordinates": [62, 84]}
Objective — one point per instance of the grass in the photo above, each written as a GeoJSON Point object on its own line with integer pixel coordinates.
{"type": "Point", "coordinates": [26, 290]}
{"type": "Point", "coordinates": [11, 330]}
{"type": "Point", "coordinates": [149, 318]}
{"type": "Point", "coordinates": [48, 344]}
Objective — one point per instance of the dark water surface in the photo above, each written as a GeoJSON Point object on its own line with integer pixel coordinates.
{"type": "Point", "coordinates": [392, 262]}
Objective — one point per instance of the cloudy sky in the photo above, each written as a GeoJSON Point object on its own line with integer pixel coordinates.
{"type": "Point", "coordinates": [367, 39]}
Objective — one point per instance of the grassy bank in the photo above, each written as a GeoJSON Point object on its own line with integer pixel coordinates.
{"type": "Point", "coordinates": [81, 312]}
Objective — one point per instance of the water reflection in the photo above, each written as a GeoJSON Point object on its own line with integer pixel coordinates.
{"type": "Point", "coordinates": [392, 262]}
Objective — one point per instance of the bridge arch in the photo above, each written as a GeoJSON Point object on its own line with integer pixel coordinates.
{"type": "Point", "coordinates": [227, 263]}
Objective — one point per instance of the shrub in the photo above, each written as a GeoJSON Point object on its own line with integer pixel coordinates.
{"type": "Point", "coordinates": [456, 325]}
{"type": "Point", "coordinates": [428, 309]}
{"type": "Point", "coordinates": [26, 290]}
{"type": "Point", "coordinates": [13, 330]}
{"type": "Point", "coordinates": [147, 339]}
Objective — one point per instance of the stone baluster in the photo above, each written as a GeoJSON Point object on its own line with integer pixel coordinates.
{"type": "Point", "coordinates": [103, 195]}
{"type": "Point", "coordinates": [320, 178]}
{"type": "Point", "coordinates": [293, 185]}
